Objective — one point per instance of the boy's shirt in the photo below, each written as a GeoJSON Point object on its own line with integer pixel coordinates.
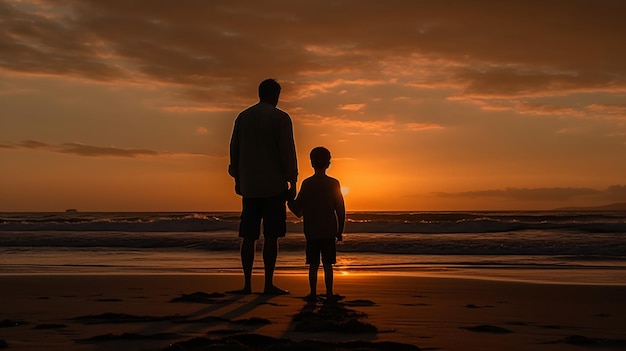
{"type": "Point", "coordinates": [320, 202]}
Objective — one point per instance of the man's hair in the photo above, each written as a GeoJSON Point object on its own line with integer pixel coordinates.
{"type": "Point", "coordinates": [320, 157]}
{"type": "Point", "coordinates": [269, 90]}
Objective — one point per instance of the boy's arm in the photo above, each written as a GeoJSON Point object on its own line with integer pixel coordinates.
{"type": "Point", "coordinates": [340, 210]}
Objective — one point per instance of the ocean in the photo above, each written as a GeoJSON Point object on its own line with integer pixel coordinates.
{"type": "Point", "coordinates": [543, 246]}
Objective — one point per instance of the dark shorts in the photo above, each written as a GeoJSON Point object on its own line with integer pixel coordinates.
{"type": "Point", "coordinates": [270, 211]}
{"type": "Point", "coordinates": [324, 247]}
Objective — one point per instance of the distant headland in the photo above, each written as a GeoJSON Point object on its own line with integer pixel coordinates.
{"type": "Point", "coordinates": [618, 206]}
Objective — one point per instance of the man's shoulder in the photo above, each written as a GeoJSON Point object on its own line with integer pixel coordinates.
{"type": "Point", "coordinates": [263, 109]}
{"type": "Point", "coordinates": [249, 110]}
{"type": "Point", "coordinates": [282, 115]}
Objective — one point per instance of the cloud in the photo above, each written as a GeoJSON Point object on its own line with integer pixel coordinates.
{"type": "Point", "coordinates": [90, 150]}
{"type": "Point", "coordinates": [547, 110]}
{"type": "Point", "coordinates": [374, 127]}
{"type": "Point", "coordinates": [516, 82]}
{"type": "Point", "coordinates": [613, 111]}
{"type": "Point", "coordinates": [330, 85]}
{"type": "Point", "coordinates": [422, 126]}
{"type": "Point", "coordinates": [32, 144]}
{"type": "Point", "coordinates": [94, 151]}
{"type": "Point", "coordinates": [200, 109]}
{"type": "Point", "coordinates": [617, 191]}
{"type": "Point", "coordinates": [613, 193]}
{"type": "Point", "coordinates": [352, 107]}
{"type": "Point", "coordinates": [31, 36]}
{"type": "Point", "coordinates": [594, 111]}
{"type": "Point", "coordinates": [351, 126]}
{"type": "Point", "coordinates": [211, 51]}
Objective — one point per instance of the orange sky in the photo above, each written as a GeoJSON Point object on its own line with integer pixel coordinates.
{"type": "Point", "coordinates": [431, 105]}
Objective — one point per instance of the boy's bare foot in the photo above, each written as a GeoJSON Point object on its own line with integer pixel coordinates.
{"type": "Point", "coordinates": [240, 292]}
{"type": "Point", "coordinates": [274, 290]}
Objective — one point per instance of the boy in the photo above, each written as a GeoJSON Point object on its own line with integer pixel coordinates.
{"type": "Point", "coordinates": [321, 203]}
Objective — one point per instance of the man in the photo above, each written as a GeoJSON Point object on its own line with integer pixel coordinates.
{"type": "Point", "coordinates": [264, 165]}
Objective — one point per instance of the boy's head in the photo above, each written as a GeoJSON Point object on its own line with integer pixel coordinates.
{"type": "Point", "coordinates": [320, 158]}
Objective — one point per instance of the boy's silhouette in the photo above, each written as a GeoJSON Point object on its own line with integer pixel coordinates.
{"type": "Point", "coordinates": [263, 163]}
{"type": "Point", "coordinates": [321, 203]}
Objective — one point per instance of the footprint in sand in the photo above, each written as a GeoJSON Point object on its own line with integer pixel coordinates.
{"type": "Point", "coordinates": [359, 303]}
{"type": "Point", "coordinates": [485, 328]}
{"type": "Point", "coordinates": [471, 305]}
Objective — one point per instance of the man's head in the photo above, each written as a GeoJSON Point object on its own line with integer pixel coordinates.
{"type": "Point", "coordinates": [320, 158]}
{"type": "Point", "coordinates": [269, 91]}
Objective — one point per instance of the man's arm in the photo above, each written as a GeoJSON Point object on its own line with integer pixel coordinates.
{"type": "Point", "coordinates": [288, 156]}
{"type": "Point", "coordinates": [295, 205]}
{"type": "Point", "coordinates": [233, 167]}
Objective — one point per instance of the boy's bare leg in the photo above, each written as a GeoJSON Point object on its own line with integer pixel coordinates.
{"type": "Point", "coordinates": [270, 253]}
{"type": "Point", "coordinates": [313, 268]}
{"type": "Point", "coordinates": [328, 280]}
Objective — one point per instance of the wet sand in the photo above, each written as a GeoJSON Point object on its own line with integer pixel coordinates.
{"type": "Point", "coordinates": [376, 312]}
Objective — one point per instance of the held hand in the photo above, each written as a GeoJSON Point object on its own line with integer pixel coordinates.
{"type": "Point", "coordinates": [291, 192]}
{"type": "Point", "coordinates": [339, 237]}
{"type": "Point", "coordinates": [294, 207]}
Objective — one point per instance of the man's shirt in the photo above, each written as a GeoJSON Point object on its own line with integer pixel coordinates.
{"type": "Point", "coordinates": [262, 151]}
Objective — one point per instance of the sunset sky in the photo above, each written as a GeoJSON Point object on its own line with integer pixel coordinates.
{"type": "Point", "coordinates": [122, 105]}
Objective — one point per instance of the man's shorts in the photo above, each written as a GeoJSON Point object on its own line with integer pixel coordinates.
{"type": "Point", "coordinates": [325, 247]}
{"type": "Point", "coordinates": [271, 211]}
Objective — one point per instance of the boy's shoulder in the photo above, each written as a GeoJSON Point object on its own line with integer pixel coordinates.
{"type": "Point", "coordinates": [316, 184]}
{"type": "Point", "coordinates": [332, 179]}
{"type": "Point", "coordinates": [320, 179]}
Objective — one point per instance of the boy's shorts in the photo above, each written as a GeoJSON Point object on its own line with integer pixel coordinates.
{"type": "Point", "coordinates": [326, 247]}
{"type": "Point", "coordinates": [270, 210]}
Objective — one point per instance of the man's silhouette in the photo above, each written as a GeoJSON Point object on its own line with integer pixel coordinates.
{"type": "Point", "coordinates": [263, 163]}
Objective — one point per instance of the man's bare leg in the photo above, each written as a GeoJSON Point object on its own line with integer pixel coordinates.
{"type": "Point", "coordinates": [248, 246]}
{"type": "Point", "coordinates": [313, 268]}
{"type": "Point", "coordinates": [328, 280]}
{"type": "Point", "coordinates": [270, 253]}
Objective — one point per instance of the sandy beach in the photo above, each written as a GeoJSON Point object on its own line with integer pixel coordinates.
{"type": "Point", "coordinates": [190, 312]}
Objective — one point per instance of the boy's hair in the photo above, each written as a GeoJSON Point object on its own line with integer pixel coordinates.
{"type": "Point", "coordinates": [269, 89]}
{"type": "Point", "coordinates": [320, 157]}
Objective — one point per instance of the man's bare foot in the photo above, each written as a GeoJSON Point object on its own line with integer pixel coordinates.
{"type": "Point", "coordinates": [310, 298]}
{"type": "Point", "coordinates": [240, 292]}
{"type": "Point", "coordinates": [334, 297]}
{"type": "Point", "coordinates": [274, 290]}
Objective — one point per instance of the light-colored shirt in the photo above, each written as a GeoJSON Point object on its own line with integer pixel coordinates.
{"type": "Point", "coordinates": [263, 152]}
{"type": "Point", "coordinates": [321, 204]}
